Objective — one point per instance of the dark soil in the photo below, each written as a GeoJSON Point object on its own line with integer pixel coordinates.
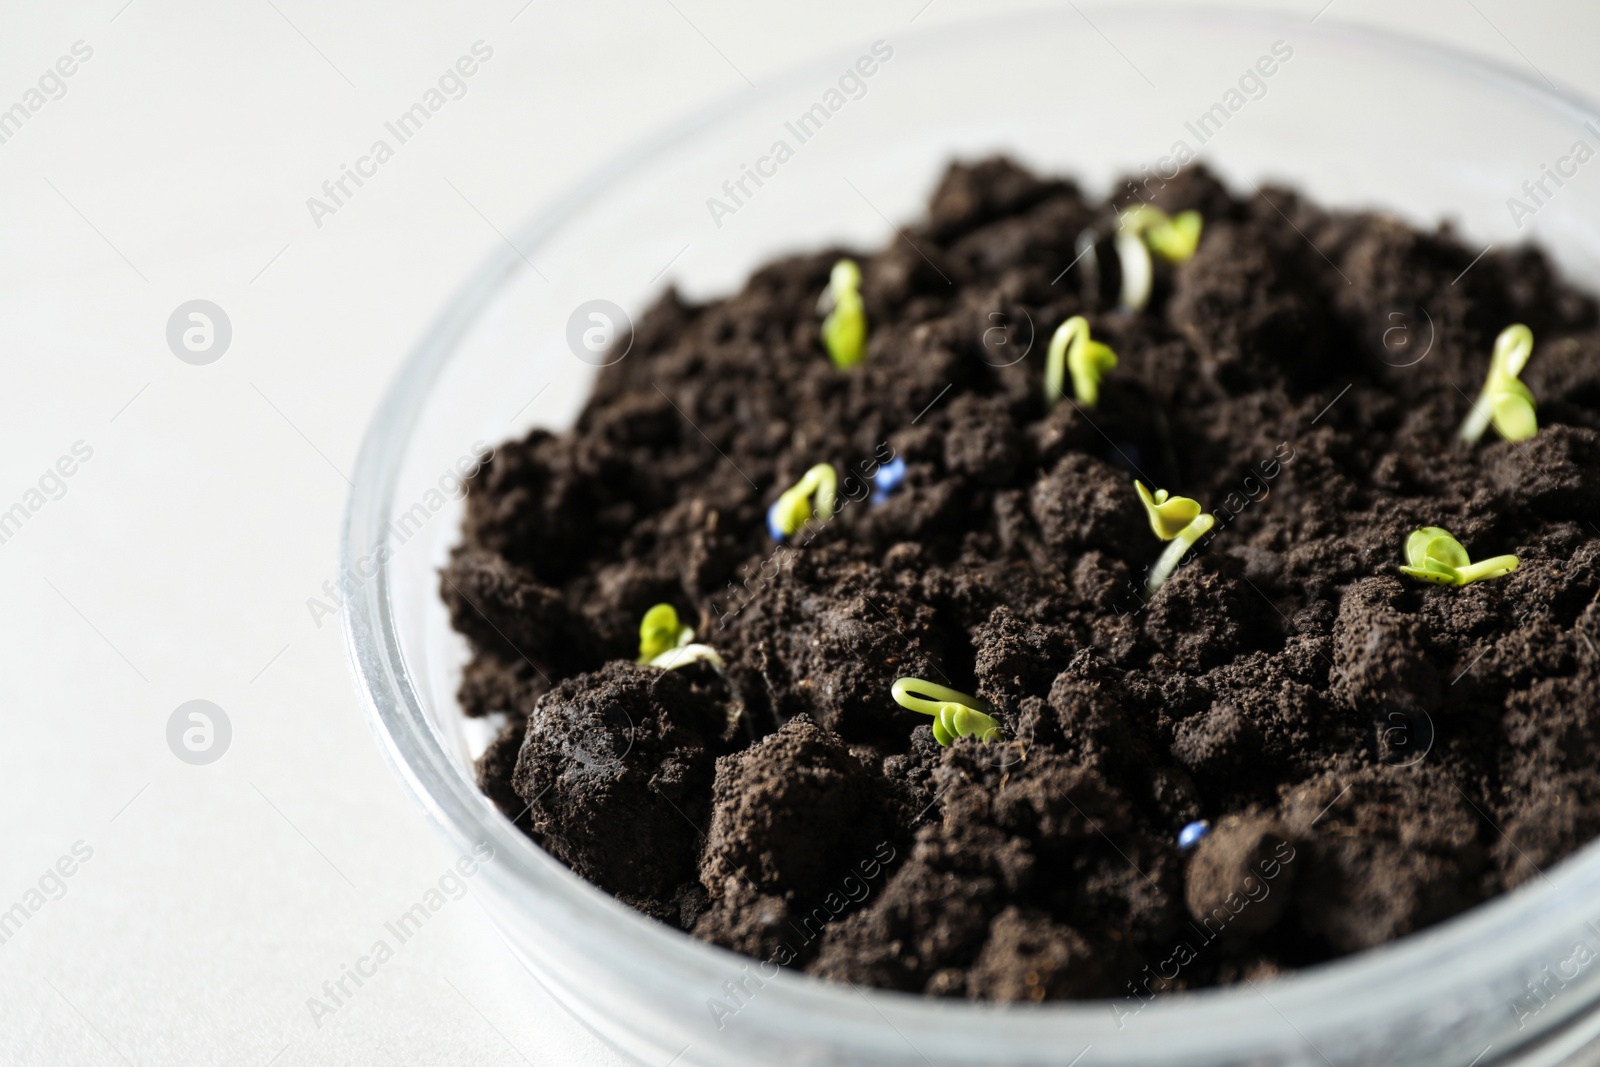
{"type": "Point", "coordinates": [1375, 754]}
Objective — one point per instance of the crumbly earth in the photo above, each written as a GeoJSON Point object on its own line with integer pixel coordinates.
{"type": "Point", "coordinates": [1375, 754]}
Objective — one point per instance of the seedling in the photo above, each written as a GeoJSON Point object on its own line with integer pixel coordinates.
{"type": "Point", "coordinates": [791, 510]}
{"type": "Point", "coordinates": [844, 329]}
{"type": "Point", "coordinates": [666, 643]}
{"type": "Point", "coordinates": [1172, 237]}
{"type": "Point", "coordinates": [890, 477]}
{"type": "Point", "coordinates": [661, 631]}
{"type": "Point", "coordinates": [1434, 556]}
{"type": "Point", "coordinates": [1176, 519]}
{"type": "Point", "coordinates": [1072, 351]}
{"type": "Point", "coordinates": [1505, 401]}
{"type": "Point", "coordinates": [954, 714]}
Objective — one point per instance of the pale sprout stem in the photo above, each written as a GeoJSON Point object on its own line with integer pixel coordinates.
{"type": "Point", "coordinates": [1176, 548]}
{"type": "Point", "coordinates": [1137, 270]}
{"type": "Point", "coordinates": [682, 656]}
{"type": "Point", "coordinates": [1478, 419]}
{"type": "Point", "coordinates": [1489, 568]}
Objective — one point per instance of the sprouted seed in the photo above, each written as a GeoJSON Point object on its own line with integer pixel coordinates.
{"type": "Point", "coordinates": [666, 643]}
{"type": "Point", "coordinates": [1177, 520]}
{"type": "Point", "coordinates": [661, 631]}
{"type": "Point", "coordinates": [844, 327]}
{"type": "Point", "coordinates": [791, 510]}
{"type": "Point", "coordinates": [1504, 401]}
{"type": "Point", "coordinates": [1144, 228]}
{"type": "Point", "coordinates": [955, 714]}
{"type": "Point", "coordinates": [1434, 556]}
{"type": "Point", "coordinates": [1072, 351]}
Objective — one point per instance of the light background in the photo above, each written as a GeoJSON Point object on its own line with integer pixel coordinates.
{"type": "Point", "coordinates": [178, 564]}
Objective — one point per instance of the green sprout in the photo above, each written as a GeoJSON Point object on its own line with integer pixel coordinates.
{"type": "Point", "coordinates": [666, 643]}
{"type": "Point", "coordinates": [844, 329]}
{"type": "Point", "coordinates": [1173, 237]}
{"type": "Point", "coordinates": [954, 714]}
{"type": "Point", "coordinates": [661, 631]}
{"type": "Point", "coordinates": [1072, 351]}
{"type": "Point", "coordinates": [791, 510]}
{"type": "Point", "coordinates": [1434, 556]}
{"type": "Point", "coordinates": [1505, 402]}
{"type": "Point", "coordinates": [1176, 519]}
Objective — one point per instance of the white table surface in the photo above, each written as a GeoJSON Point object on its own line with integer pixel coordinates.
{"type": "Point", "coordinates": [178, 560]}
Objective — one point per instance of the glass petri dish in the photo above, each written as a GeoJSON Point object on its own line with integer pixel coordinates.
{"type": "Point", "coordinates": [1353, 118]}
